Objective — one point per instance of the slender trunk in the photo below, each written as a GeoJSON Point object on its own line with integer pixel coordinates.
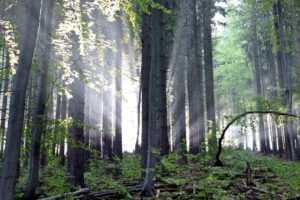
{"type": "Point", "coordinates": [87, 122]}
{"type": "Point", "coordinates": [5, 62]}
{"type": "Point", "coordinates": [179, 87]}
{"type": "Point", "coordinates": [17, 103]}
{"type": "Point", "coordinates": [273, 94]}
{"type": "Point", "coordinates": [4, 104]}
{"type": "Point", "coordinates": [201, 91]}
{"type": "Point", "coordinates": [137, 148]}
{"type": "Point", "coordinates": [145, 76]}
{"type": "Point", "coordinates": [62, 139]}
{"type": "Point", "coordinates": [283, 75]}
{"type": "Point", "coordinates": [163, 138]}
{"type": "Point", "coordinates": [117, 147]}
{"type": "Point", "coordinates": [76, 112]}
{"type": "Point", "coordinates": [28, 120]}
{"type": "Point", "coordinates": [193, 79]}
{"type": "Point", "coordinates": [38, 118]}
{"type": "Point", "coordinates": [107, 101]}
{"type": "Point", "coordinates": [261, 132]}
{"type": "Point", "coordinates": [76, 152]}
{"type": "Point", "coordinates": [209, 76]}
{"type": "Point", "coordinates": [56, 127]}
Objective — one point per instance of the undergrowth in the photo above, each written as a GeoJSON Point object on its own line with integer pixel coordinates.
{"type": "Point", "coordinates": [197, 180]}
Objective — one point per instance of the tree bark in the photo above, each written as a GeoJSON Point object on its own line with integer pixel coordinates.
{"type": "Point", "coordinates": [179, 89]}
{"type": "Point", "coordinates": [209, 75]}
{"type": "Point", "coordinates": [194, 75]}
{"type": "Point", "coordinates": [4, 105]}
{"type": "Point", "coordinates": [39, 115]}
{"type": "Point", "coordinates": [153, 102]}
{"type": "Point", "coordinates": [163, 138]}
{"type": "Point", "coordinates": [76, 152]}
{"type": "Point", "coordinates": [17, 103]}
{"type": "Point", "coordinates": [201, 91]}
{"type": "Point", "coordinates": [145, 77]}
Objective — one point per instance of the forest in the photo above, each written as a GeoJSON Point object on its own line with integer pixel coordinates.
{"type": "Point", "coordinates": [150, 99]}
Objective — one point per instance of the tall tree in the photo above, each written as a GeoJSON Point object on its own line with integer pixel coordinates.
{"type": "Point", "coordinates": [145, 77]}
{"type": "Point", "coordinates": [153, 100]}
{"type": "Point", "coordinates": [179, 89]}
{"type": "Point", "coordinates": [283, 76]}
{"type": "Point", "coordinates": [117, 147]}
{"type": "Point", "coordinates": [17, 103]}
{"type": "Point", "coordinates": [75, 150]}
{"type": "Point", "coordinates": [262, 136]}
{"type": "Point", "coordinates": [107, 96]}
{"type": "Point", "coordinates": [4, 103]}
{"type": "Point", "coordinates": [194, 77]}
{"type": "Point", "coordinates": [208, 65]}
{"type": "Point", "coordinates": [39, 114]}
{"type": "Point", "coordinates": [163, 138]}
{"type": "Point", "coordinates": [199, 35]}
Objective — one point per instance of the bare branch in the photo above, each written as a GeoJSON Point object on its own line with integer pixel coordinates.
{"type": "Point", "coordinates": [218, 160]}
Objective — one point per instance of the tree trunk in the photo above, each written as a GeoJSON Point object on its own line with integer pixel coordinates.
{"type": "Point", "coordinates": [39, 114]}
{"type": "Point", "coordinates": [201, 91]}
{"type": "Point", "coordinates": [56, 127]}
{"type": "Point", "coordinates": [209, 76]}
{"type": "Point", "coordinates": [4, 105]}
{"type": "Point", "coordinates": [5, 62]}
{"type": "Point", "coordinates": [178, 108]}
{"type": "Point", "coordinates": [117, 147]}
{"type": "Point", "coordinates": [76, 152]}
{"type": "Point", "coordinates": [145, 76]}
{"type": "Point", "coordinates": [283, 75]}
{"type": "Point", "coordinates": [261, 132]}
{"type": "Point", "coordinates": [87, 122]}
{"type": "Point", "coordinates": [17, 103]}
{"type": "Point", "coordinates": [137, 148]}
{"type": "Point", "coordinates": [163, 138]}
{"type": "Point", "coordinates": [153, 102]}
{"type": "Point", "coordinates": [62, 140]}
{"type": "Point", "coordinates": [76, 107]}
{"type": "Point", "coordinates": [194, 75]}
{"type": "Point", "coordinates": [107, 101]}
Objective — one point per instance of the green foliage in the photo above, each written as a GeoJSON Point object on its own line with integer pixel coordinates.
{"type": "Point", "coordinates": [99, 177]}
{"type": "Point", "coordinates": [169, 163]}
{"type": "Point", "coordinates": [22, 181]}
{"type": "Point", "coordinates": [169, 171]}
{"type": "Point", "coordinates": [287, 173]}
{"type": "Point", "coordinates": [54, 180]}
{"type": "Point", "coordinates": [174, 181]}
{"type": "Point", "coordinates": [131, 168]}
{"type": "Point", "coordinates": [136, 8]}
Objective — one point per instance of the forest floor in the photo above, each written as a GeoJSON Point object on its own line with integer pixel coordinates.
{"type": "Point", "coordinates": [246, 175]}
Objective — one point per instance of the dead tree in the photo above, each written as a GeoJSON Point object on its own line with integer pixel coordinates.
{"type": "Point", "coordinates": [218, 160]}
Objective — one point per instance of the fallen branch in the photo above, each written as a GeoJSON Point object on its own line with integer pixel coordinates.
{"type": "Point", "coordinates": [104, 193]}
{"type": "Point", "coordinates": [218, 160]}
{"type": "Point", "coordinates": [70, 194]}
